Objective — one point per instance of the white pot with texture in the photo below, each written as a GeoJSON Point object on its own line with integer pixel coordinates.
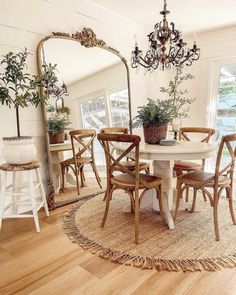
{"type": "Point", "coordinates": [19, 150]}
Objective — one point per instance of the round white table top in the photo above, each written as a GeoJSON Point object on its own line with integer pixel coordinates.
{"type": "Point", "coordinates": [183, 150]}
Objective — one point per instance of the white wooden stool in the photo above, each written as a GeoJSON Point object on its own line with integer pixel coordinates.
{"type": "Point", "coordinates": [15, 192]}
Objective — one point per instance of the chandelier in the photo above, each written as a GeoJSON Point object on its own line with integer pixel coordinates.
{"type": "Point", "coordinates": [166, 48]}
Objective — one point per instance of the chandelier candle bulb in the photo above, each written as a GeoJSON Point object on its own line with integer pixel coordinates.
{"type": "Point", "coordinates": [135, 41]}
{"type": "Point", "coordinates": [195, 39]}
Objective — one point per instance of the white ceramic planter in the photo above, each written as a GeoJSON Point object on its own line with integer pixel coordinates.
{"type": "Point", "coordinates": [19, 150]}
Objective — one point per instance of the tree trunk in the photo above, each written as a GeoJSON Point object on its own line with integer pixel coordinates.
{"type": "Point", "coordinates": [18, 121]}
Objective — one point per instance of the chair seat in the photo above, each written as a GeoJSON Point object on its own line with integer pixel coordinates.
{"type": "Point", "coordinates": [186, 166]}
{"type": "Point", "coordinates": [81, 160]}
{"type": "Point", "coordinates": [127, 181]}
{"type": "Point", "coordinates": [20, 167]}
{"type": "Point", "coordinates": [131, 165]}
{"type": "Point", "coordinates": [199, 177]}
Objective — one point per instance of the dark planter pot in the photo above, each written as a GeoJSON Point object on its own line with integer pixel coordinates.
{"type": "Point", "coordinates": [56, 138]}
{"type": "Point", "coordinates": [153, 133]}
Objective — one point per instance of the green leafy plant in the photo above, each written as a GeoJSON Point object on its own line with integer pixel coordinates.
{"type": "Point", "coordinates": [20, 89]}
{"type": "Point", "coordinates": [155, 111]}
{"type": "Point", "coordinates": [179, 98]}
{"type": "Point", "coordinates": [58, 123]}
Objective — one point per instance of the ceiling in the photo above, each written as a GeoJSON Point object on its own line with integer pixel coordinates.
{"type": "Point", "coordinates": [189, 15]}
{"type": "Point", "coordinates": [75, 62]}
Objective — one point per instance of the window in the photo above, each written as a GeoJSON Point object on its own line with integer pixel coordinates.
{"type": "Point", "coordinates": [226, 104]}
{"type": "Point", "coordinates": [93, 116]}
{"type": "Point", "coordinates": [93, 113]}
{"type": "Point", "coordinates": [223, 102]}
{"type": "Point", "coordinates": [119, 108]}
{"type": "Point", "coordinates": [109, 107]}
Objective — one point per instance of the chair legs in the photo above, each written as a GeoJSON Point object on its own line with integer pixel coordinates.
{"type": "Point", "coordinates": [215, 211]}
{"type": "Point", "coordinates": [187, 194]}
{"type": "Point", "coordinates": [215, 215]}
{"type": "Point", "coordinates": [108, 194]}
{"type": "Point", "coordinates": [159, 197]}
{"type": "Point", "coordinates": [231, 208]}
{"type": "Point", "coordinates": [135, 207]}
{"type": "Point", "coordinates": [204, 196]}
{"type": "Point", "coordinates": [136, 211]}
{"type": "Point", "coordinates": [136, 216]}
{"type": "Point", "coordinates": [194, 200]}
{"type": "Point", "coordinates": [45, 204]}
{"type": "Point", "coordinates": [147, 170]}
{"type": "Point", "coordinates": [81, 171]}
{"type": "Point", "coordinates": [132, 205]}
{"type": "Point", "coordinates": [177, 200]}
{"type": "Point", "coordinates": [2, 195]}
{"type": "Point", "coordinates": [33, 201]}
{"type": "Point", "coordinates": [96, 175]}
{"type": "Point", "coordinates": [63, 178]}
{"type": "Point", "coordinates": [215, 206]}
{"type": "Point", "coordinates": [77, 178]}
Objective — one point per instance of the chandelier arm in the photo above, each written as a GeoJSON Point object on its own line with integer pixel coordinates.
{"type": "Point", "coordinates": [197, 53]}
{"type": "Point", "coordinates": [143, 63]}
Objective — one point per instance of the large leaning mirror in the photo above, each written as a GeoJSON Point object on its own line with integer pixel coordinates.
{"type": "Point", "coordinates": [91, 91]}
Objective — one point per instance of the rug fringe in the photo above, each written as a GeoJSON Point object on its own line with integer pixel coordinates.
{"type": "Point", "coordinates": [185, 265]}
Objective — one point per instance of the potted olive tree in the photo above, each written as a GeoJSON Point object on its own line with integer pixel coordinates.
{"type": "Point", "coordinates": [19, 89]}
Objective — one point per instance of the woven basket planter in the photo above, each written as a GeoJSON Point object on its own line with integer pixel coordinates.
{"type": "Point", "coordinates": [153, 133]}
{"type": "Point", "coordinates": [56, 138]}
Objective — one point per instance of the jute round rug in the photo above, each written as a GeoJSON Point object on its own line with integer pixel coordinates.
{"type": "Point", "coordinates": [191, 246]}
{"type": "Point", "coordinates": [91, 187]}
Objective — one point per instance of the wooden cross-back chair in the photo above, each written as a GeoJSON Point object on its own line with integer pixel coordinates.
{"type": "Point", "coordinates": [184, 133]}
{"type": "Point", "coordinates": [129, 181]}
{"type": "Point", "coordinates": [129, 163]}
{"type": "Point", "coordinates": [181, 167]}
{"type": "Point", "coordinates": [219, 181]}
{"type": "Point", "coordinates": [82, 141]}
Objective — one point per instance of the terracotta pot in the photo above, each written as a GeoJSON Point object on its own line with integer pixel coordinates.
{"type": "Point", "coordinates": [19, 150]}
{"type": "Point", "coordinates": [56, 138]}
{"type": "Point", "coordinates": [153, 133]}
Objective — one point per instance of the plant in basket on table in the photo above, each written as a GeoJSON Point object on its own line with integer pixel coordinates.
{"type": "Point", "coordinates": [19, 89]}
{"type": "Point", "coordinates": [57, 124]}
{"type": "Point", "coordinates": [154, 117]}
{"type": "Point", "coordinates": [156, 114]}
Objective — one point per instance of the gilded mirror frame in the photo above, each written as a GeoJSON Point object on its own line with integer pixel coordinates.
{"type": "Point", "coordinates": [86, 38]}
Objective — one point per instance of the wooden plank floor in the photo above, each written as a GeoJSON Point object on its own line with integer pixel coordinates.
{"type": "Point", "coordinates": [48, 263]}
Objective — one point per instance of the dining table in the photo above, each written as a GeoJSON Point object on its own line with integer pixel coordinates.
{"type": "Point", "coordinates": [163, 158]}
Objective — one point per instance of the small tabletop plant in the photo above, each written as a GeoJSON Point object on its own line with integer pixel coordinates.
{"type": "Point", "coordinates": [58, 123]}
{"type": "Point", "coordinates": [155, 111]}
{"type": "Point", "coordinates": [20, 89]}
